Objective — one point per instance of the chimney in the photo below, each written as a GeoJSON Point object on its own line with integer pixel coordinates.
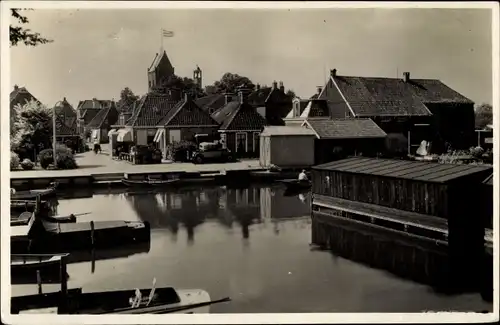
{"type": "Point", "coordinates": [406, 76]}
{"type": "Point", "coordinates": [241, 96]}
{"type": "Point", "coordinates": [333, 72]}
{"type": "Point", "coordinates": [282, 88]}
{"type": "Point", "coordinates": [64, 99]}
{"type": "Point", "coordinates": [275, 85]}
{"type": "Point", "coordinates": [257, 87]}
{"type": "Point", "coordinates": [227, 98]}
{"type": "Point", "coordinates": [16, 87]}
{"type": "Point", "coordinates": [319, 89]}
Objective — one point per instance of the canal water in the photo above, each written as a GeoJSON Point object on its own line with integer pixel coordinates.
{"type": "Point", "coordinates": [251, 244]}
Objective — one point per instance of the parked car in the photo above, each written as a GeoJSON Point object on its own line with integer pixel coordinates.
{"type": "Point", "coordinates": [212, 151]}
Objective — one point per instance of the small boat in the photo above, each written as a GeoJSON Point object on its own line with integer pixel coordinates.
{"type": "Point", "coordinates": [139, 301]}
{"type": "Point", "coordinates": [32, 194]}
{"type": "Point", "coordinates": [33, 268]}
{"type": "Point", "coordinates": [148, 182]}
{"type": "Point", "coordinates": [42, 236]}
{"type": "Point", "coordinates": [295, 184]}
{"type": "Point", "coordinates": [24, 218]}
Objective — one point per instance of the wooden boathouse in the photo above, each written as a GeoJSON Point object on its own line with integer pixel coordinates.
{"type": "Point", "coordinates": [432, 206]}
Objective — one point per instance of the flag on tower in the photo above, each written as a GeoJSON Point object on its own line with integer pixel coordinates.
{"type": "Point", "coordinates": [167, 33]}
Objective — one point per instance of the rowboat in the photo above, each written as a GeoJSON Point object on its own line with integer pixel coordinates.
{"type": "Point", "coordinates": [295, 184]}
{"type": "Point", "coordinates": [41, 236]}
{"type": "Point", "coordinates": [148, 183]}
{"type": "Point", "coordinates": [139, 301]}
{"type": "Point", "coordinates": [32, 194]}
{"type": "Point", "coordinates": [26, 205]}
{"type": "Point", "coordinates": [35, 268]}
{"type": "Point", "coordinates": [24, 218]}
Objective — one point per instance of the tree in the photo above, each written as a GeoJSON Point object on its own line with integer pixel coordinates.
{"type": "Point", "coordinates": [127, 97]}
{"type": "Point", "coordinates": [24, 35]}
{"type": "Point", "coordinates": [484, 115]}
{"type": "Point", "coordinates": [230, 82]}
{"type": "Point", "coordinates": [290, 93]}
{"type": "Point", "coordinates": [183, 84]}
{"type": "Point", "coordinates": [31, 130]}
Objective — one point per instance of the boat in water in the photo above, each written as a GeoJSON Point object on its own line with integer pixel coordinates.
{"type": "Point", "coordinates": [36, 268]}
{"type": "Point", "coordinates": [45, 193]}
{"type": "Point", "coordinates": [295, 184]}
{"type": "Point", "coordinates": [24, 218]}
{"type": "Point", "coordinates": [148, 182]}
{"type": "Point", "coordinates": [47, 236]}
{"type": "Point", "coordinates": [138, 301]}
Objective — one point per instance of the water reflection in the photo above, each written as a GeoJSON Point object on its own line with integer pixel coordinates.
{"type": "Point", "coordinates": [251, 244]}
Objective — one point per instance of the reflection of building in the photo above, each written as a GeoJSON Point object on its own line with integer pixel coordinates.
{"type": "Point", "coordinates": [274, 205]}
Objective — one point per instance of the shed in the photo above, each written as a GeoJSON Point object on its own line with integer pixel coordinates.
{"type": "Point", "coordinates": [430, 191]}
{"type": "Point", "coordinates": [287, 146]}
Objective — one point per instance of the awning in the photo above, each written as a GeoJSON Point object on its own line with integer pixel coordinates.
{"type": "Point", "coordinates": [159, 135]}
{"type": "Point", "coordinates": [112, 131]}
{"type": "Point", "coordinates": [94, 134]}
{"type": "Point", "coordinates": [124, 135]}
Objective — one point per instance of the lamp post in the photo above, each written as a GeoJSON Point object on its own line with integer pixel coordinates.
{"type": "Point", "coordinates": [54, 133]}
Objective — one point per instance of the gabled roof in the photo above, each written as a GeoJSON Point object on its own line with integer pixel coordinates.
{"type": "Point", "coordinates": [66, 112]}
{"type": "Point", "coordinates": [429, 172]}
{"type": "Point", "coordinates": [213, 102]}
{"type": "Point", "coordinates": [368, 96]}
{"type": "Point", "coordinates": [302, 106]}
{"type": "Point", "coordinates": [151, 109]}
{"type": "Point", "coordinates": [23, 93]}
{"type": "Point", "coordinates": [157, 60]}
{"type": "Point", "coordinates": [187, 113]}
{"type": "Point", "coordinates": [64, 129]}
{"type": "Point", "coordinates": [102, 115]}
{"type": "Point", "coordinates": [239, 116]}
{"type": "Point", "coordinates": [93, 104]}
{"type": "Point", "coordinates": [345, 128]}
{"type": "Point", "coordinates": [316, 108]}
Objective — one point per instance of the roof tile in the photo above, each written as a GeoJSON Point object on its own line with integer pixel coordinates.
{"type": "Point", "coordinates": [346, 128]}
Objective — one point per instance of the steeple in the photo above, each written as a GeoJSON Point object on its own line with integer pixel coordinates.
{"type": "Point", "coordinates": [160, 69]}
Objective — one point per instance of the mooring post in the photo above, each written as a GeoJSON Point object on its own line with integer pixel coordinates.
{"type": "Point", "coordinates": [64, 282]}
{"type": "Point", "coordinates": [39, 281]}
{"type": "Point", "coordinates": [92, 232]}
{"type": "Point", "coordinates": [92, 265]}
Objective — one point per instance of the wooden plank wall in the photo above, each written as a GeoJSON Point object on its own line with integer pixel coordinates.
{"type": "Point", "coordinates": [415, 196]}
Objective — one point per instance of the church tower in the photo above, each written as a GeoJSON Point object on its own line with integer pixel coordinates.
{"type": "Point", "coordinates": [197, 77]}
{"type": "Point", "coordinates": [161, 69]}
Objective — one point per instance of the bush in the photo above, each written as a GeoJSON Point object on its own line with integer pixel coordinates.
{"type": "Point", "coordinates": [178, 151]}
{"type": "Point", "coordinates": [64, 158]}
{"type": "Point", "coordinates": [14, 161]}
{"type": "Point", "coordinates": [27, 164]}
{"type": "Point", "coordinates": [476, 152]}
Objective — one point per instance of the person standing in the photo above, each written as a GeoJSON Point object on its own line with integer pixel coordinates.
{"type": "Point", "coordinates": [303, 176]}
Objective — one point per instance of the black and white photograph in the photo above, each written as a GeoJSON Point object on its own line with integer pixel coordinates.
{"type": "Point", "coordinates": [309, 160]}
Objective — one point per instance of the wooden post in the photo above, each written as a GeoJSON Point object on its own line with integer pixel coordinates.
{"type": "Point", "coordinates": [37, 205]}
{"type": "Point", "coordinates": [64, 283]}
{"type": "Point", "coordinates": [39, 281]}
{"type": "Point", "coordinates": [92, 233]}
{"type": "Point", "coordinates": [92, 265]}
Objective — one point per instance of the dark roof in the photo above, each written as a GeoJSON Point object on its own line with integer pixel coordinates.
{"type": "Point", "coordinates": [393, 96]}
{"type": "Point", "coordinates": [101, 116]}
{"type": "Point", "coordinates": [489, 180]}
{"type": "Point", "coordinates": [151, 109]}
{"type": "Point", "coordinates": [157, 60]}
{"type": "Point", "coordinates": [404, 169]}
{"type": "Point", "coordinates": [346, 128]}
{"type": "Point", "coordinates": [93, 104]}
{"type": "Point", "coordinates": [19, 94]}
{"type": "Point", "coordinates": [319, 108]}
{"type": "Point", "coordinates": [259, 97]}
{"type": "Point", "coordinates": [213, 102]}
{"type": "Point", "coordinates": [239, 116]}
{"type": "Point", "coordinates": [187, 113]}
{"type": "Point", "coordinates": [63, 129]}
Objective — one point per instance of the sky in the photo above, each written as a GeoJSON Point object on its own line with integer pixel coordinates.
{"type": "Point", "coordinates": [96, 53]}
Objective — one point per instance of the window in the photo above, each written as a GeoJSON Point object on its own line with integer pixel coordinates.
{"type": "Point", "coordinates": [241, 142]}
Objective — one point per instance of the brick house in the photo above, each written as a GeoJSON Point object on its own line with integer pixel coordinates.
{"type": "Point", "coordinates": [213, 102]}
{"type": "Point", "coordinates": [19, 96]}
{"type": "Point", "coordinates": [271, 102]}
{"type": "Point", "coordinates": [86, 111]}
{"type": "Point", "coordinates": [66, 112]}
{"type": "Point", "coordinates": [100, 125]}
{"type": "Point", "coordinates": [183, 122]}
{"type": "Point", "coordinates": [240, 126]}
{"type": "Point", "coordinates": [421, 109]}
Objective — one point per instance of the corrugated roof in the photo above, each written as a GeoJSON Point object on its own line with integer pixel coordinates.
{"type": "Point", "coordinates": [345, 128]}
{"type": "Point", "coordinates": [369, 96]}
{"type": "Point", "coordinates": [287, 130]}
{"type": "Point", "coordinates": [413, 170]}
